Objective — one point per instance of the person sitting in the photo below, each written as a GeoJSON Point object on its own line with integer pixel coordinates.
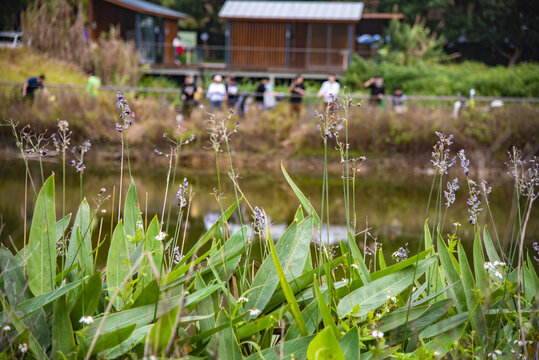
{"type": "Point", "coordinates": [378, 90]}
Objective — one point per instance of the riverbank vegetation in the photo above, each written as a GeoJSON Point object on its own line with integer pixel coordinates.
{"type": "Point", "coordinates": [238, 295]}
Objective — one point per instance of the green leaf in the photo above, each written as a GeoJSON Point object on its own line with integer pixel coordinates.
{"type": "Point", "coordinates": [33, 344]}
{"type": "Point", "coordinates": [225, 340]}
{"type": "Point", "coordinates": [374, 294]}
{"type": "Point", "coordinates": [444, 325]}
{"type": "Point", "coordinates": [226, 258]}
{"type": "Point", "coordinates": [426, 235]}
{"type": "Point", "coordinates": [489, 246]}
{"type": "Point", "coordinates": [302, 198]}
{"type": "Point", "coordinates": [452, 276]}
{"type": "Point", "coordinates": [63, 341]}
{"type": "Point", "coordinates": [79, 250]}
{"type": "Point", "coordinates": [163, 330]}
{"type": "Point", "coordinates": [61, 226]}
{"type": "Point", "coordinates": [134, 339]}
{"type": "Point", "coordinates": [474, 307]}
{"type": "Point", "coordinates": [132, 215]}
{"type": "Point", "coordinates": [118, 266]}
{"type": "Point", "coordinates": [290, 298]}
{"type": "Point", "coordinates": [350, 344]}
{"type": "Point", "coordinates": [41, 250]}
{"type": "Point", "coordinates": [291, 250]}
{"type": "Point", "coordinates": [325, 310]}
{"type": "Point", "coordinates": [107, 340]}
{"type": "Point", "coordinates": [325, 346]}
{"type": "Point", "coordinates": [398, 318]}
{"type": "Point", "coordinates": [152, 248]}
{"type": "Point", "coordinates": [296, 348]}
{"type": "Point", "coordinates": [88, 300]}
{"type": "Point", "coordinates": [479, 263]}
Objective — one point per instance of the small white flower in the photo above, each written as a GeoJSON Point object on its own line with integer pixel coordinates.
{"type": "Point", "coordinates": [487, 265]}
{"type": "Point", "coordinates": [139, 225]}
{"type": "Point", "coordinates": [23, 348]}
{"type": "Point", "coordinates": [254, 312]}
{"type": "Point", "coordinates": [242, 299]}
{"type": "Point", "coordinates": [161, 236]}
{"type": "Point", "coordinates": [498, 274]}
{"type": "Point", "coordinates": [86, 319]}
{"type": "Point", "coordinates": [377, 334]}
{"type": "Point", "coordinates": [6, 328]}
{"type": "Point", "coordinates": [519, 342]}
{"type": "Point", "coordinates": [456, 224]}
{"type": "Point", "coordinates": [436, 353]}
{"type": "Point", "coordinates": [355, 266]}
{"type": "Point", "coordinates": [494, 355]}
{"type": "Point", "coordinates": [103, 211]}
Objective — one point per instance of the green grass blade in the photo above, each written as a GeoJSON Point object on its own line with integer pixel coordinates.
{"type": "Point", "coordinates": [452, 276]}
{"type": "Point", "coordinates": [132, 215]}
{"type": "Point", "coordinates": [479, 263]}
{"type": "Point", "coordinates": [350, 344]}
{"type": "Point", "coordinates": [301, 197]}
{"type": "Point", "coordinates": [324, 310]}
{"type": "Point", "coordinates": [79, 251]}
{"type": "Point", "coordinates": [61, 226]}
{"type": "Point", "coordinates": [290, 298]}
{"type": "Point", "coordinates": [118, 266]}
{"type": "Point", "coordinates": [41, 250]}
{"type": "Point", "coordinates": [227, 344]}
{"type": "Point", "coordinates": [63, 341]}
{"type": "Point", "coordinates": [154, 249]}
{"type": "Point", "coordinates": [489, 246]}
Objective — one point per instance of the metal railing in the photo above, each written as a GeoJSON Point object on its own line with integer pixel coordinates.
{"type": "Point", "coordinates": [412, 98]}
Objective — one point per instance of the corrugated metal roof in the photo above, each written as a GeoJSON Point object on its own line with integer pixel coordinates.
{"type": "Point", "coordinates": [149, 8]}
{"type": "Point", "coordinates": [292, 10]}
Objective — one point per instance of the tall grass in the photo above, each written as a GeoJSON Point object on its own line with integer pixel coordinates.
{"type": "Point", "coordinates": [303, 299]}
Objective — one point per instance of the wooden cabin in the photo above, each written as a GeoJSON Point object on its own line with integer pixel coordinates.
{"type": "Point", "coordinates": [150, 26]}
{"type": "Point", "coordinates": [290, 35]}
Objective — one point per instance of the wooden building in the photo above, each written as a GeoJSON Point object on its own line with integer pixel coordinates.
{"type": "Point", "coordinates": [292, 35]}
{"type": "Point", "coordinates": [150, 26]}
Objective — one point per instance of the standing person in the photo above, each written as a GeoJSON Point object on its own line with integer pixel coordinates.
{"type": "Point", "coordinates": [188, 97]}
{"type": "Point", "coordinates": [94, 82]}
{"type": "Point", "coordinates": [216, 93]}
{"type": "Point", "coordinates": [329, 91]}
{"type": "Point", "coordinates": [397, 100]}
{"type": "Point", "coordinates": [259, 93]}
{"type": "Point", "coordinates": [232, 92]}
{"type": "Point", "coordinates": [378, 90]}
{"type": "Point", "coordinates": [178, 49]}
{"type": "Point", "coordinates": [297, 90]}
{"type": "Point", "coordinates": [32, 84]}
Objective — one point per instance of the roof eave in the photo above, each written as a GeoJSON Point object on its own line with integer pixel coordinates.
{"type": "Point", "coordinates": [147, 12]}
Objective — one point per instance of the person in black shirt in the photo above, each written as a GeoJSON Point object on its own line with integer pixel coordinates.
{"type": "Point", "coordinates": [260, 90]}
{"type": "Point", "coordinates": [297, 90]}
{"type": "Point", "coordinates": [188, 97]}
{"type": "Point", "coordinates": [232, 92]}
{"type": "Point", "coordinates": [376, 85]}
{"type": "Point", "coordinates": [32, 84]}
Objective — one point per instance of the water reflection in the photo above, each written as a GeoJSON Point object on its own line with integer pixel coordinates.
{"type": "Point", "coordinates": [391, 206]}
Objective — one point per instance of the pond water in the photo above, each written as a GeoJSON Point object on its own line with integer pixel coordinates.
{"type": "Point", "coordinates": [391, 204]}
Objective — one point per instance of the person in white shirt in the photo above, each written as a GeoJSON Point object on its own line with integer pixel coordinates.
{"type": "Point", "coordinates": [216, 93]}
{"type": "Point", "coordinates": [329, 91]}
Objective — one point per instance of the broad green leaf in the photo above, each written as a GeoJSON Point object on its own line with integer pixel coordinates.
{"type": "Point", "coordinates": [324, 346]}
{"type": "Point", "coordinates": [262, 323]}
{"type": "Point", "coordinates": [381, 260]}
{"type": "Point", "coordinates": [442, 343]}
{"type": "Point", "coordinates": [145, 314]}
{"type": "Point", "coordinates": [444, 325]}
{"type": "Point", "coordinates": [452, 276]}
{"type": "Point", "coordinates": [426, 235]}
{"type": "Point", "coordinates": [489, 246]}
{"type": "Point", "coordinates": [108, 340]}
{"type": "Point", "coordinates": [63, 341]}
{"type": "Point", "coordinates": [146, 295]}
{"type": "Point", "coordinates": [226, 258]}
{"type": "Point", "coordinates": [291, 250]}
{"type": "Point", "coordinates": [398, 317]}
{"type": "Point", "coordinates": [324, 310]}
{"type": "Point", "coordinates": [225, 340]}
{"type": "Point", "coordinates": [61, 226]}
{"type": "Point", "coordinates": [41, 249]}
{"type": "Point", "coordinates": [296, 348]}
{"type": "Point", "coordinates": [474, 307]}
{"type": "Point", "coordinates": [479, 262]}
{"type": "Point", "coordinates": [88, 299]}
{"type": "Point", "coordinates": [400, 265]}
{"type": "Point", "coordinates": [134, 339]}
{"type": "Point", "coordinates": [17, 293]}
{"type": "Point", "coordinates": [154, 249]}
{"type": "Point", "coordinates": [38, 302]}
{"type": "Point", "coordinates": [374, 294]}
{"type": "Point", "coordinates": [79, 250]}
{"type": "Point", "coordinates": [132, 216]}
{"type": "Point", "coordinates": [290, 298]}
{"type": "Point", "coordinates": [163, 329]}
{"type": "Point", "coordinates": [359, 260]}
{"type": "Point", "coordinates": [118, 266]}
{"type": "Point", "coordinates": [302, 198]}
{"type": "Point", "coordinates": [33, 344]}
{"type": "Point", "coordinates": [350, 344]}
